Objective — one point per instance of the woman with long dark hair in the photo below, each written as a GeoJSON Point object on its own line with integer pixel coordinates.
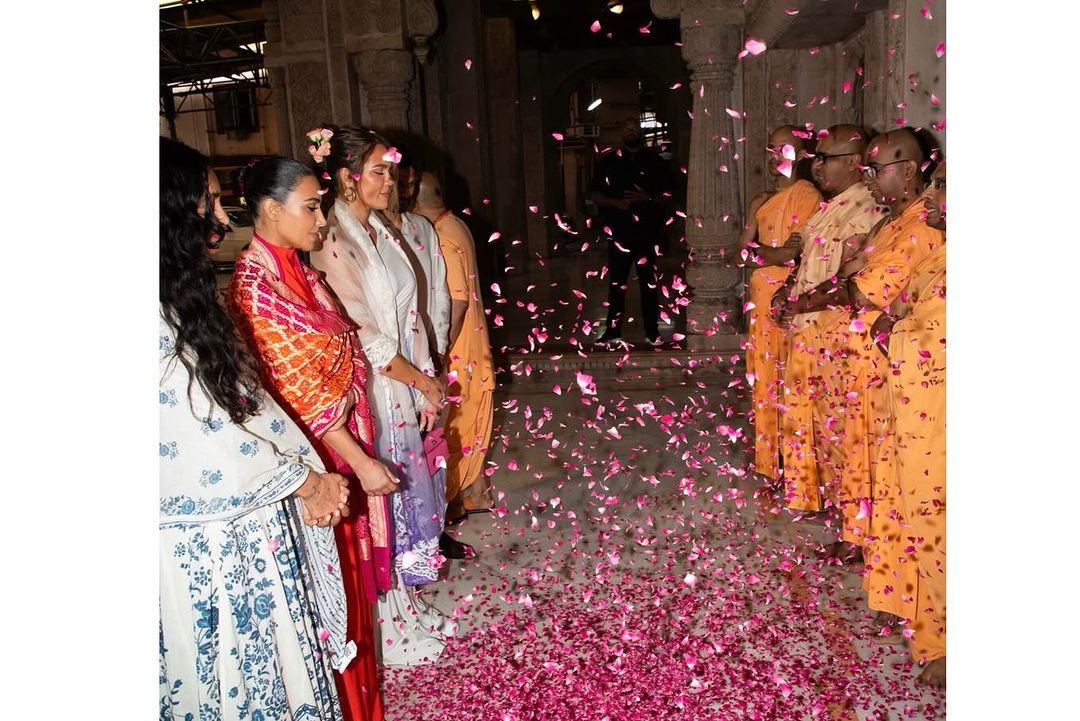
{"type": "Point", "coordinates": [370, 272]}
{"type": "Point", "coordinates": [313, 365]}
{"type": "Point", "coordinates": [252, 608]}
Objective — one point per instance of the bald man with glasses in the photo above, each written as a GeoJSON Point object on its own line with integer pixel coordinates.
{"type": "Point", "coordinates": [855, 404]}
{"type": "Point", "coordinates": [841, 222]}
{"type": "Point", "coordinates": [912, 336]}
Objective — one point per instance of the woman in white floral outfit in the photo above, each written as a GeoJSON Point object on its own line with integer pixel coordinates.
{"type": "Point", "coordinates": [251, 601]}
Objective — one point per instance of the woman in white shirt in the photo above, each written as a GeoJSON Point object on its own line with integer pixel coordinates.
{"type": "Point", "coordinates": [373, 277]}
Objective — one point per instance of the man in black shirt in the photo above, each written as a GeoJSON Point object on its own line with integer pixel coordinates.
{"type": "Point", "coordinates": [629, 189]}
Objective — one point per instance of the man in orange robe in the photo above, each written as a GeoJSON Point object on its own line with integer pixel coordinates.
{"type": "Point", "coordinates": [772, 219]}
{"type": "Point", "coordinates": [855, 401]}
{"type": "Point", "coordinates": [468, 359]}
{"type": "Point", "coordinates": [913, 337]}
{"type": "Point", "coordinates": [847, 216]}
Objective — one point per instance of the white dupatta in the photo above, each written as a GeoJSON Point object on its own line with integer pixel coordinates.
{"type": "Point", "coordinates": [424, 241]}
{"type": "Point", "coordinates": [356, 273]}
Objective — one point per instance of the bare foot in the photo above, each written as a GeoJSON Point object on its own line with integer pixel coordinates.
{"type": "Point", "coordinates": [843, 551]}
{"type": "Point", "coordinates": [888, 630]}
{"type": "Point", "coordinates": [934, 673]}
{"type": "Point", "coordinates": [477, 497]}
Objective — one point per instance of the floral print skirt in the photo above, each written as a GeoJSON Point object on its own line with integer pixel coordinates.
{"type": "Point", "coordinates": [238, 636]}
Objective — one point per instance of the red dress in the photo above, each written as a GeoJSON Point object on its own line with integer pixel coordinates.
{"type": "Point", "coordinates": [364, 564]}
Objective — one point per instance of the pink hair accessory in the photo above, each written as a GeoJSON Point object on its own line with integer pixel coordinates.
{"type": "Point", "coordinates": [319, 139]}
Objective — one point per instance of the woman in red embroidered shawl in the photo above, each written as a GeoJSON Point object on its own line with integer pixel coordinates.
{"type": "Point", "coordinates": [313, 364]}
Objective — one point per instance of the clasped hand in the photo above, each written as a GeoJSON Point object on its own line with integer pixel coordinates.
{"type": "Point", "coordinates": [781, 308]}
{"type": "Point", "coordinates": [327, 502]}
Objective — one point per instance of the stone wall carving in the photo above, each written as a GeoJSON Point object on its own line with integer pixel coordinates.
{"type": "Point", "coordinates": [756, 128]}
{"type": "Point", "coordinates": [357, 18]}
{"type": "Point", "coordinates": [782, 91]}
{"type": "Point", "coordinates": [372, 17]}
{"type": "Point", "coordinates": [300, 22]}
{"type": "Point", "coordinates": [309, 101]}
{"type": "Point", "coordinates": [421, 17]}
{"type": "Point", "coordinates": [851, 61]}
{"type": "Point", "coordinates": [421, 22]}
{"type": "Point", "coordinates": [894, 62]}
{"type": "Point", "coordinates": [386, 75]}
{"type": "Point", "coordinates": [387, 14]}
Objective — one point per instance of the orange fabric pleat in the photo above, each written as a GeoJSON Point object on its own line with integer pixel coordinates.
{"type": "Point", "coordinates": [780, 216]}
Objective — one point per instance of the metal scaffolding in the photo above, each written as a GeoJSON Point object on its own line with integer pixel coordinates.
{"type": "Point", "coordinates": [207, 46]}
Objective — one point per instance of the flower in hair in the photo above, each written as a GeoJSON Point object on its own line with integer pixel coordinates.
{"type": "Point", "coordinates": [392, 155]}
{"type": "Point", "coordinates": [320, 143]}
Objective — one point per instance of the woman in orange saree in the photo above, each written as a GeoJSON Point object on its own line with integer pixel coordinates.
{"type": "Point", "coordinates": [312, 363]}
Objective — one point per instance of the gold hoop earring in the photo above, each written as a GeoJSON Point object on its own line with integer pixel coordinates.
{"type": "Point", "coordinates": [349, 195]}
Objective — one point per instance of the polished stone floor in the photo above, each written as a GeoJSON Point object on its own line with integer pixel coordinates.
{"type": "Point", "coordinates": [635, 568]}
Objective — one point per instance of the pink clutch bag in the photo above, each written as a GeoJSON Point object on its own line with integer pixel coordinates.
{"type": "Point", "coordinates": [436, 450]}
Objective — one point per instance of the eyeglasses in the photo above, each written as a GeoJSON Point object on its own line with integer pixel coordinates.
{"type": "Point", "coordinates": [871, 171]}
{"type": "Point", "coordinates": [829, 156]}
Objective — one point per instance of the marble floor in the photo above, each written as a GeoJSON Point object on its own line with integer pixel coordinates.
{"type": "Point", "coordinates": [634, 567]}
{"type": "Point", "coordinates": [635, 570]}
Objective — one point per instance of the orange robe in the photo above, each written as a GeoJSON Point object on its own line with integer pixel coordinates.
{"type": "Point", "coordinates": [468, 425]}
{"type": "Point", "coordinates": [917, 405]}
{"type": "Point", "coordinates": [780, 216]}
{"type": "Point", "coordinates": [850, 212]}
{"type": "Point", "coordinates": [855, 400]}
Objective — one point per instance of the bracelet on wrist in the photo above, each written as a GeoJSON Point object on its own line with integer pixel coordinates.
{"type": "Point", "coordinates": [312, 480]}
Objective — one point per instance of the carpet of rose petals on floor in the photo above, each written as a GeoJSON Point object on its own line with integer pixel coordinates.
{"type": "Point", "coordinates": [675, 595]}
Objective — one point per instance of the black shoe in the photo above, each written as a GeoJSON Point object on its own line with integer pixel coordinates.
{"type": "Point", "coordinates": [607, 339]}
{"type": "Point", "coordinates": [452, 548]}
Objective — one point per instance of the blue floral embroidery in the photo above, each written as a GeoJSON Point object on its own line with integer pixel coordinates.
{"type": "Point", "coordinates": [249, 448]}
{"type": "Point", "coordinates": [278, 426]}
{"type": "Point", "coordinates": [185, 505]}
{"type": "Point", "coordinates": [168, 398]}
{"type": "Point", "coordinates": [242, 613]}
{"type": "Point", "coordinates": [264, 604]}
{"type": "Point", "coordinates": [208, 616]}
{"type": "Point", "coordinates": [166, 346]}
{"type": "Point", "coordinates": [211, 425]}
{"type": "Point", "coordinates": [168, 450]}
{"type": "Point", "coordinates": [209, 477]}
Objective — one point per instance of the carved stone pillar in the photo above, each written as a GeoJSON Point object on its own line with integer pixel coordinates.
{"type": "Point", "coordinates": [296, 61]}
{"type": "Point", "coordinates": [386, 75]}
{"type": "Point", "coordinates": [713, 203]}
{"type": "Point", "coordinates": [711, 40]}
{"type": "Point", "coordinates": [421, 22]}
